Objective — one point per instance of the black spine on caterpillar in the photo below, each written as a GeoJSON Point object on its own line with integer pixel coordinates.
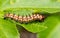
{"type": "Point", "coordinates": [25, 19]}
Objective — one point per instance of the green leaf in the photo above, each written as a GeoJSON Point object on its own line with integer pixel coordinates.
{"type": "Point", "coordinates": [53, 24]}
{"type": "Point", "coordinates": [36, 27]}
{"type": "Point", "coordinates": [8, 29]}
{"type": "Point", "coordinates": [32, 27]}
{"type": "Point", "coordinates": [50, 6]}
{"type": "Point", "coordinates": [34, 3]}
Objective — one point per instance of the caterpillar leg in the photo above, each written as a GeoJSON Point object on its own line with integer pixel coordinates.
{"type": "Point", "coordinates": [25, 22]}
{"type": "Point", "coordinates": [4, 18]}
{"type": "Point", "coordinates": [21, 22]}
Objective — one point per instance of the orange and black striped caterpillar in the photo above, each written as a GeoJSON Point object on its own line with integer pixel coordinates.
{"type": "Point", "coordinates": [25, 19]}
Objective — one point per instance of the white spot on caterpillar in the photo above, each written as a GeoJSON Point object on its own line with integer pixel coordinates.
{"type": "Point", "coordinates": [15, 17]}
{"type": "Point", "coordinates": [41, 17]}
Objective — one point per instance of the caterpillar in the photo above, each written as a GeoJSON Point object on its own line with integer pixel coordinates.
{"type": "Point", "coordinates": [25, 19]}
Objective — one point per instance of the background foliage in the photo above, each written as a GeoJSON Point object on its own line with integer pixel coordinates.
{"type": "Point", "coordinates": [50, 28]}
